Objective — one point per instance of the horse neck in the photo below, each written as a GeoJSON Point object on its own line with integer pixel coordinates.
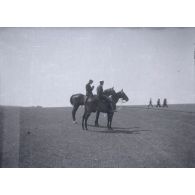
{"type": "Point", "coordinates": [116, 97]}
{"type": "Point", "coordinates": [107, 92]}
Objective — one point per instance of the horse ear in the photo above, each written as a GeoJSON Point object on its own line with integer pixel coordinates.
{"type": "Point", "coordinates": [121, 90]}
{"type": "Point", "coordinates": [113, 87]}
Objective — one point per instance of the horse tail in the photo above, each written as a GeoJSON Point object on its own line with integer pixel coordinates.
{"type": "Point", "coordinates": [71, 100]}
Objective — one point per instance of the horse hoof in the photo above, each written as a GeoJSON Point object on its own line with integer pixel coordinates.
{"type": "Point", "coordinates": [74, 122]}
{"type": "Point", "coordinates": [96, 125]}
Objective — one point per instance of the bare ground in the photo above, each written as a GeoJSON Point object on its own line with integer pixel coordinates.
{"type": "Point", "coordinates": [141, 137]}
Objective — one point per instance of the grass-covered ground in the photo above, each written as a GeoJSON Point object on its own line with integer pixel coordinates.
{"type": "Point", "coordinates": [141, 137]}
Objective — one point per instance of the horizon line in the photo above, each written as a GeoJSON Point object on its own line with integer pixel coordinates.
{"type": "Point", "coordinates": [132, 105]}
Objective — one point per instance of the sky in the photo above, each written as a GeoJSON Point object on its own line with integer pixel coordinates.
{"type": "Point", "coordinates": [45, 66]}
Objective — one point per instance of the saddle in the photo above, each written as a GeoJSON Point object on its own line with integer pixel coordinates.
{"type": "Point", "coordinates": [96, 100]}
{"type": "Point", "coordinates": [91, 98]}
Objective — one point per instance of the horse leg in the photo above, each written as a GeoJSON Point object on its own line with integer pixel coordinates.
{"type": "Point", "coordinates": [111, 117]}
{"type": "Point", "coordinates": [83, 119]}
{"type": "Point", "coordinates": [86, 118]}
{"type": "Point", "coordinates": [97, 117]}
{"type": "Point", "coordinates": [108, 121]}
{"type": "Point", "coordinates": [75, 108]}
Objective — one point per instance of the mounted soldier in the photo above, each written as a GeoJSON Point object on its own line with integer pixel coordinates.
{"type": "Point", "coordinates": [89, 89]}
{"type": "Point", "coordinates": [102, 97]}
{"type": "Point", "coordinates": [80, 99]}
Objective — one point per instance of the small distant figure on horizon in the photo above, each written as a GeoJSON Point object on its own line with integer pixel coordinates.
{"type": "Point", "coordinates": [165, 103]}
{"type": "Point", "coordinates": [150, 103]}
{"type": "Point", "coordinates": [158, 103]}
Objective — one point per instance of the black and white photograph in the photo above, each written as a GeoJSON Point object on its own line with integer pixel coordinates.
{"type": "Point", "coordinates": [97, 97]}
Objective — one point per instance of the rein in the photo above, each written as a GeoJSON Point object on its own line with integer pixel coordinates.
{"type": "Point", "coordinates": [114, 98]}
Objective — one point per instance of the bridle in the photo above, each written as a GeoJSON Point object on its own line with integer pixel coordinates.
{"type": "Point", "coordinates": [122, 100]}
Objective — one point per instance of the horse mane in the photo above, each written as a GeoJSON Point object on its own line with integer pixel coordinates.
{"type": "Point", "coordinates": [106, 91]}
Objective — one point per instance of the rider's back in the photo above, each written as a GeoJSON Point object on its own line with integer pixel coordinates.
{"type": "Point", "coordinates": [99, 91]}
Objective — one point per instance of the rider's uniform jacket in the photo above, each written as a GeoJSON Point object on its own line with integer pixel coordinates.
{"type": "Point", "coordinates": [100, 91]}
{"type": "Point", "coordinates": [89, 90]}
{"type": "Point", "coordinates": [101, 95]}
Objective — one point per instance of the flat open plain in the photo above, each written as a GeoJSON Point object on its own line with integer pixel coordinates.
{"type": "Point", "coordinates": [141, 137]}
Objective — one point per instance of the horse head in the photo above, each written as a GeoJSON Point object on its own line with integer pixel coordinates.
{"type": "Point", "coordinates": [123, 96]}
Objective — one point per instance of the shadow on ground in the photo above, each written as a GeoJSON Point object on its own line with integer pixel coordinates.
{"type": "Point", "coordinates": [118, 130]}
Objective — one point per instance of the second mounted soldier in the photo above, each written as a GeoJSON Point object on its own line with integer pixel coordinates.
{"type": "Point", "coordinates": [102, 97]}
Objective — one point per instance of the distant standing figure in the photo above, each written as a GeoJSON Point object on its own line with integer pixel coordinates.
{"type": "Point", "coordinates": [158, 103]}
{"type": "Point", "coordinates": [150, 103]}
{"type": "Point", "coordinates": [165, 103]}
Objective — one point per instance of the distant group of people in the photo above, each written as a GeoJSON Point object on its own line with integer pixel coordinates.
{"type": "Point", "coordinates": [158, 104]}
{"type": "Point", "coordinates": [89, 92]}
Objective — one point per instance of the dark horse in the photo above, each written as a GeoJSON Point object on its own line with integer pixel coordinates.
{"type": "Point", "coordinates": [95, 105]}
{"type": "Point", "coordinates": [79, 100]}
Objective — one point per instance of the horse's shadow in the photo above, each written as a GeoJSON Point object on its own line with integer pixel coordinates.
{"type": "Point", "coordinates": [118, 130]}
